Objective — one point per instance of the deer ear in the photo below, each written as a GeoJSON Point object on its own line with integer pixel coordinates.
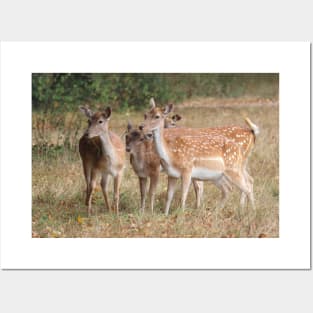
{"type": "Point", "coordinates": [85, 110]}
{"type": "Point", "coordinates": [168, 108]}
{"type": "Point", "coordinates": [129, 126]}
{"type": "Point", "coordinates": [107, 112]}
{"type": "Point", "coordinates": [176, 117]}
{"type": "Point", "coordinates": [152, 103]}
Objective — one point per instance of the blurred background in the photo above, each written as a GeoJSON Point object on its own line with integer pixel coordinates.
{"type": "Point", "coordinates": [65, 91]}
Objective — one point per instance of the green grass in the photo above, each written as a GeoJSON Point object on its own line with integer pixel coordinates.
{"type": "Point", "coordinates": [58, 208]}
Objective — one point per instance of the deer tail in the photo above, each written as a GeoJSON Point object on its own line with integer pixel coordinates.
{"type": "Point", "coordinates": [254, 128]}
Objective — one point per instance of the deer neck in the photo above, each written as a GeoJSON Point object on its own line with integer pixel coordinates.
{"type": "Point", "coordinates": [107, 147]}
{"type": "Point", "coordinates": [161, 146]}
{"type": "Point", "coordinates": [138, 155]}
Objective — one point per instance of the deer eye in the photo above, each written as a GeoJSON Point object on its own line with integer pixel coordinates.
{"type": "Point", "coordinates": [100, 122]}
{"type": "Point", "coordinates": [157, 116]}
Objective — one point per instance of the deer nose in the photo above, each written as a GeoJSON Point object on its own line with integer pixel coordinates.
{"type": "Point", "coordinates": [141, 127]}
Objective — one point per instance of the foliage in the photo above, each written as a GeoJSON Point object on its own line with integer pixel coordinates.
{"type": "Point", "coordinates": [52, 91]}
{"type": "Point", "coordinates": [65, 91]}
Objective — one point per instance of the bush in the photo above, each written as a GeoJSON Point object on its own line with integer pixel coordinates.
{"type": "Point", "coordinates": [65, 91]}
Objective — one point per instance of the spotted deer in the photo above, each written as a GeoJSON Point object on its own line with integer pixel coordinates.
{"type": "Point", "coordinates": [102, 152]}
{"type": "Point", "coordinates": [195, 155]}
{"type": "Point", "coordinates": [146, 164]}
{"type": "Point", "coordinates": [171, 122]}
{"type": "Point", "coordinates": [243, 136]}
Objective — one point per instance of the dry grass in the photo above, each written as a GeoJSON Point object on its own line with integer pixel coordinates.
{"type": "Point", "coordinates": [59, 186]}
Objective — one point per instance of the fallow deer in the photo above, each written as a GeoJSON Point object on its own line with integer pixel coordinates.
{"type": "Point", "coordinates": [102, 152]}
{"type": "Point", "coordinates": [171, 122]}
{"type": "Point", "coordinates": [195, 156]}
{"type": "Point", "coordinates": [146, 164]}
{"type": "Point", "coordinates": [244, 136]}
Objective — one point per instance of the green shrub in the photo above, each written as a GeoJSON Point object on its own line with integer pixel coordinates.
{"type": "Point", "coordinates": [65, 91]}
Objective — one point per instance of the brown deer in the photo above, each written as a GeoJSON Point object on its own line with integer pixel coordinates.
{"type": "Point", "coordinates": [102, 152]}
{"type": "Point", "coordinates": [195, 155]}
{"type": "Point", "coordinates": [171, 122]}
{"type": "Point", "coordinates": [146, 164]}
{"type": "Point", "coordinates": [244, 136]}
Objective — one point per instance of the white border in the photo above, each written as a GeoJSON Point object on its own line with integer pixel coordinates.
{"type": "Point", "coordinates": [20, 59]}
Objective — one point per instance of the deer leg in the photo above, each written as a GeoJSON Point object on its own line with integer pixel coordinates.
{"type": "Point", "coordinates": [153, 184]}
{"type": "Point", "coordinates": [170, 192]}
{"type": "Point", "coordinates": [117, 185]}
{"type": "Point", "coordinates": [248, 177]}
{"type": "Point", "coordinates": [225, 188]}
{"type": "Point", "coordinates": [246, 173]}
{"type": "Point", "coordinates": [186, 180]}
{"type": "Point", "coordinates": [243, 199]}
{"type": "Point", "coordinates": [251, 199]}
{"type": "Point", "coordinates": [92, 186]}
{"type": "Point", "coordinates": [198, 186]}
{"type": "Point", "coordinates": [87, 174]}
{"type": "Point", "coordinates": [251, 195]}
{"type": "Point", "coordinates": [104, 186]}
{"type": "Point", "coordinates": [143, 192]}
{"type": "Point", "coordinates": [249, 181]}
{"type": "Point", "coordinates": [226, 183]}
{"type": "Point", "coordinates": [240, 181]}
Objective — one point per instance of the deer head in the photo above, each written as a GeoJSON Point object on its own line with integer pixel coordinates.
{"type": "Point", "coordinates": [97, 122]}
{"type": "Point", "coordinates": [154, 120]}
{"type": "Point", "coordinates": [133, 137]}
{"type": "Point", "coordinates": [170, 122]}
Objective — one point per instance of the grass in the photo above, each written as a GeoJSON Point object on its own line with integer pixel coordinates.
{"type": "Point", "coordinates": [58, 208]}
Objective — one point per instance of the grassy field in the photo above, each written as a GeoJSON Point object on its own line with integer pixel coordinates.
{"type": "Point", "coordinates": [58, 185]}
